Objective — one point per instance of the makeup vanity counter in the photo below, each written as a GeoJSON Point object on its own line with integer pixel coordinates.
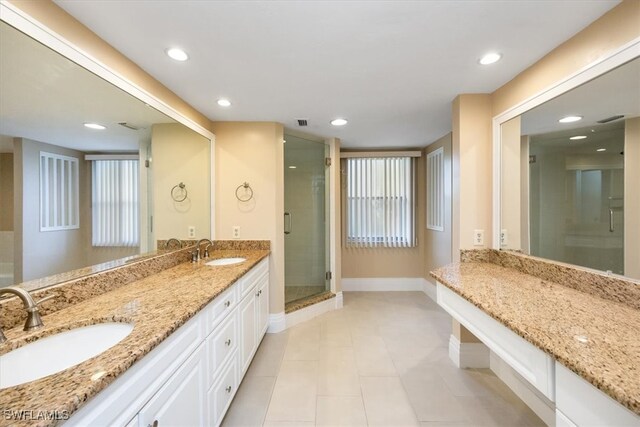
{"type": "Point", "coordinates": [594, 336]}
{"type": "Point", "coordinates": [157, 306]}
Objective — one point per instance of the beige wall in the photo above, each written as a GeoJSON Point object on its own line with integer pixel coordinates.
{"type": "Point", "coordinates": [253, 152]}
{"type": "Point", "coordinates": [510, 200]}
{"type": "Point", "coordinates": [180, 155]}
{"type": "Point", "coordinates": [615, 28]}
{"type": "Point", "coordinates": [59, 21]}
{"type": "Point", "coordinates": [389, 262]}
{"type": "Point", "coordinates": [6, 192]}
{"type": "Point", "coordinates": [472, 170]}
{"type": "Point", "coordinates": [438, 245]}
{"type": "Point", "coordinates": [632, 197]}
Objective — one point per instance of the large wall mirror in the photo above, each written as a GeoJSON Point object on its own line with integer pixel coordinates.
{"type": "Point", "coordinates": [570, 175]}
{"type": "Point", "coordinates": [88, 173]}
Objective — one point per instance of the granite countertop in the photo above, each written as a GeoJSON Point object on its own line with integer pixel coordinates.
{"type": "Point", "coordinates": [596, 338]}
{"type": "Point", "coordinates": [157, 305]}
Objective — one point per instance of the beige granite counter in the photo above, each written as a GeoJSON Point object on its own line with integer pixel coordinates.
{"type": "Point", "coordinates": [596, 338]}
{"type": "Point", "coordinates": [157, 305]}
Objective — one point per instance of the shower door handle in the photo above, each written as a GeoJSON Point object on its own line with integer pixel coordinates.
{"type": "Point", "coordinates": [611, 224]}
{"type": "Point", "coordinates": [287, 228]}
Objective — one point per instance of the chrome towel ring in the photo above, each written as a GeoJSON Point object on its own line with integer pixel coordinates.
{"type": "Point", "coordinates": [179, 192]}
{"type": "Point", "coordinates": [248, 192]}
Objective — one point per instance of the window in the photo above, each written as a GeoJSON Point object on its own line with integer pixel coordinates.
{"type": "Point", "coordinates": [114, 203]}
{"type": "Point", "coordinates": [59, 207]}
{"type": "Point", "coordinates": [381, 202]}
{"type": "Point", "coordinates": [435, 190]}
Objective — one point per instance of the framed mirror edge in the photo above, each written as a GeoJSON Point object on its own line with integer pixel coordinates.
{"type": "Point", "coordinates": [23, 22]}
{"type": "Point", "coordinates": [606, 63]}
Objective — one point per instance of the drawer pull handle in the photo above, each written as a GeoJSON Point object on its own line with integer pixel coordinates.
{"type": "Point", "coordinates": [228, 342]}
{"type": "Point", "coordinates": [228, 389]}
{"type": "Point", "coordinates": [257, 294]}
{"type": "Point", "coordinates": [227, 304]}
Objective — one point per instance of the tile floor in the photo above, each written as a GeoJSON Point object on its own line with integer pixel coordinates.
{"type": "Point", "coordinates": [380, 361]}
{"type": "Point", "coordinates": [292, 293]}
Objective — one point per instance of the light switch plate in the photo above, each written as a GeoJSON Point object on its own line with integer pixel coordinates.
{"type": "Point", "coordinates": [478, 237]}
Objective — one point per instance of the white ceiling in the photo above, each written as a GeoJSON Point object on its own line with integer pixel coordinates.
{"type": "Point", "coordinates": [391, 68]}
{"type": "Point", "coordinates": [47, 98]}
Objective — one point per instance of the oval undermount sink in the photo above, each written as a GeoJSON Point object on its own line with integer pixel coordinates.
{"type": "Point", "coordinates": [58, 352]}
{"type": "Point", "coordinates": [226, 261]}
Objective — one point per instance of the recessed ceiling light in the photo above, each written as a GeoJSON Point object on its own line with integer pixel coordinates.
{"type": "Point", "coordinates": [177, 54]}
{"type": "Point", "coordinates": [339, 122]}
{"type": "Point", "coordinates": [292, 167]}
{"type": "Point", "coordinates": [570, 119]}
{"type": "Point", "coordinates": [577, 137]}
{"type": "Point", "coordinates": [490, 58]}
{"type": "Point", "coordinates": [94, 126]}
{"type": "Point", "coordinates": [601, 149]}
{"type": "Point", "coordinates": [224, 102]}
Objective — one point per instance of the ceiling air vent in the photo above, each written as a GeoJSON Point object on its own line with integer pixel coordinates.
{"type": "Point", "coordinates": [128, 126]}
{"type": "Point", "coordinates": [302, 122]}
{"type": "Point", "coordinates": [610, 119]}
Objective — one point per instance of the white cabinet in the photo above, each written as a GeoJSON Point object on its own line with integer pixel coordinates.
{"type": "Point", "coordinates": [180, 401]}
{"type": "Point", "coordinates": [191, 378]}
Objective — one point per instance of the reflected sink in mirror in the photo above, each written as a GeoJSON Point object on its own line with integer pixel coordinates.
{"type": "Point", "coordinates": [58, 352]}
{"type": "Point", "coordinates": [225, 261]}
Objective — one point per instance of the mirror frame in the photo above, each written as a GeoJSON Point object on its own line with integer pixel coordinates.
{"type": "Point", "coordinates": [39, 32]}
{"type": "Point", "coordinates": [611, 60]}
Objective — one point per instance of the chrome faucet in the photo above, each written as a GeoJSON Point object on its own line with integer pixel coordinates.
{"type": "Point", "coordinates": [197, 252]}
{"type": "Point", "coordinates": [33, 315]}
{"type": "Point", "coordinates": [173, 239]}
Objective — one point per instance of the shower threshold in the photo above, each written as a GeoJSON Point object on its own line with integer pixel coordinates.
{"type": "Point", "coordinates": [298, 304]}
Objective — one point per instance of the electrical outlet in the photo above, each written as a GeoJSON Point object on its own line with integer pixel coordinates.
{"type": "Point", "coordinates": [478, 237]}
{"type": "Point", "coordinates": [192, 232]}
{"type": "Point", "coordinates": [503, 237]}
{"type": "Point", "coordinates": [236, 232]}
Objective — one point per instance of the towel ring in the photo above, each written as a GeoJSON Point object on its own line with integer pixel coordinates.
{"type": "Point", "coordinates": [248, 189]}
{"type": "Point", "coordinates": [181, 194]}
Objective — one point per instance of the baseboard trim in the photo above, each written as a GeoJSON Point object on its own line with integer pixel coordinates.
{"type": "Point", "coordinates": [382, 284]}
{"type": "Point", "coordinates": [308, 313]}
{"type": "Point", "coordinates": [339, 300]}
{"type": "Point", "coordinates": [468, 355]}
{"type": "Point", "coordinates": [543, 407]}
{"type": "Point", "coordinates": [430, 289]}
{"type": "Point", "coordinates": [277, 323]}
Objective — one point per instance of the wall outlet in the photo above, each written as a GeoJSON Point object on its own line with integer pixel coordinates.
{"type": "Point", "coordinates": [191, 232]}
{"type": "Point", "coordinates": [236, 232]}
{"type": "Point", "coordinates": [504, 240]}
{"type": "Point", "coordinates": [478, 237]}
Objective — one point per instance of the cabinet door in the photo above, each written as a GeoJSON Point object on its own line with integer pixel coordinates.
{"type": "Point", "coordinates": [248, 322]}
{"type": "Point", "coordinates": [263, 307]}
{"type": "Point", "coordinates": [180, 401]}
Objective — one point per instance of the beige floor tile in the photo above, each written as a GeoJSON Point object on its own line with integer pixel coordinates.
{"type": "Point", "coordinates": [250, 403]}
{"type": "Point", "coordinates": [489, 411]}
{"type": "Point", "coordinates": [338, 373]}
{"type": "Point", "coordinates": [334, 411]}
{"type": "Point", "coordinates": [268, 358]}
{"type": "Point", "coordinates": [372, 357]}
{"type": "Point", "coordinates": [294, 394]}
{"type": "Point", "coordinates": [288, 424]}
{"type": "Point", "coordinates": [386, 403]}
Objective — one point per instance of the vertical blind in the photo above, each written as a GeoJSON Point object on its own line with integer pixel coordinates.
{"type": "Point", "coordinates": [381, 202]}
{"type": "Point", "coordinates": [435, 190]}
{"type": "Point", "coordinates": [115, 197]}
{"type": "Point", "coordinates": [59, 206]}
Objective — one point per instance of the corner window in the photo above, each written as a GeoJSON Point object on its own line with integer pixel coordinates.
{"type": "Point", "coordinates": [59, 206]}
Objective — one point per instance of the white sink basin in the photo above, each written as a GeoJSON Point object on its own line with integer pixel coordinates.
{"type": "Point", "coordinates": [58, 352]}
{"type": "Point", "coordinates": [226, 261]}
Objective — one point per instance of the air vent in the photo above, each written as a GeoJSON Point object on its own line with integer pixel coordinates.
{"type": "Point", "coordinates": [610, 119]}
{"type": "Point", "coordinates": [128, 126]}
{"type": "Point", "coordinates": [302, 122]}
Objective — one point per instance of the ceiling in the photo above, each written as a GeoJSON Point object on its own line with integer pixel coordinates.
{"type": "Point", "coordinates": [47, 98]}
{"type": "Point", "coordinates": [391, 68]}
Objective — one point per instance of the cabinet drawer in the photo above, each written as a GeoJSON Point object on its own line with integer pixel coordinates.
{"type": "Point", "coordinates": [533, 364]}
{"type": "Point", "coordinates": [253, 276]}
{"type": "Point", "coordinates": [221, 345]}
{"type": "Point", "coordinates": [221, 394]}
{"type": "Point", "coordinates": [220, 307]}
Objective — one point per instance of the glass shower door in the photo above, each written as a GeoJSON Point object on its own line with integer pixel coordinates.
{"type": "Point", "coordinates": [305, 218]}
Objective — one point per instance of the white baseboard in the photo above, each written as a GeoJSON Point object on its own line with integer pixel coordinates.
{"type": "Point", "coordinates": [339, 300]}
{"type": "Point", "coordinates": [277, 323]}
{"type": "Point", "coordinates": [543, 407]}
{"type": "Point", "coordinates": [314, 310]}
{"type": "Point", "coordinates": [382, 284]}
{"type": "Point", "coordinates": [468, 355]}
{"type": "Point", "coordinates": [430, 289]}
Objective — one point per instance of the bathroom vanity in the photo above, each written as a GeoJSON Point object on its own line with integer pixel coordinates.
{"type": "Point", "coordinates": [196, 328]}
{"type": "Point", "coordinates": [578, 350]}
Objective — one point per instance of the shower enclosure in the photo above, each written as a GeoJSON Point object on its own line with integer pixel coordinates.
{"type": "Point", "coordinates": [306, 196]}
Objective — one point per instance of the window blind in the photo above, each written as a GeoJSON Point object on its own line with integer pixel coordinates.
{"type": "Point", "coordinates": [381, 202]}
{"type": "Point", "coordinates": [435, 190]}
{"type": "Point", "coordinates": [115, 203]}
{"type": "Point", "coordinates": [59, 206]}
